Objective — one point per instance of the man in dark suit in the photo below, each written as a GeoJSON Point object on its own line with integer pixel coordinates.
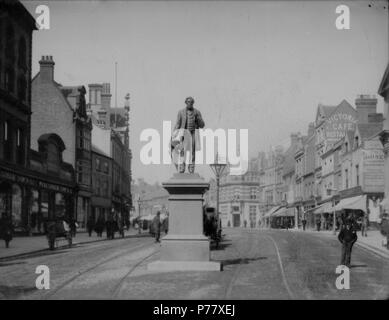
{"type": "Point", "coordinates": [347, 237]}
{"type": "Point", "coordinates": [189, 120]}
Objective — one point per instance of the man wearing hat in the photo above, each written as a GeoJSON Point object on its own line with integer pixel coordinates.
{"type": "Point", "coordinates": [347, 237]}
{"type": "Point", "coordinates": [189, 120]}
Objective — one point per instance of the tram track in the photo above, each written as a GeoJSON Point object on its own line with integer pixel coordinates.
{"type": "Point", "coordinates": [246, 253]}
{"type": "Point", "coordinates": [234, 277]}
{"type": "Point", "coordinates": [117, 288]}
{"type": "Point", "coordinates": [87, 270]}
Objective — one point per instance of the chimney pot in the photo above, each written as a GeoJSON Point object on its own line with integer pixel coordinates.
{"type": "Point", "coordinates": [47, 68]}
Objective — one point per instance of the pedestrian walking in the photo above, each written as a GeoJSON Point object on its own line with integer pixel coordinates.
{"type": "Point", "coordinates": [156, 226]}
{"type": "Point", "coordinates": [165, 224]}
{"type": "Point", "coordinates": [318, 224]}
{"type": "Point", "coordinates": [90, 225]}
{"type": "Point", "coordinates": [304, 222]}
{"type": "Point", "coordinates": [73, 227]}
{"type": "Point", "coordinates": [384, 227]}
{"type": "Point", "coordinates": [99, 228]}
{"type": "Point", "coordinates": [6, 229]}
{"type": "Point", "coordinates": [121, 225]}
{"type": "Point", "coordinates": [347, 237]}
{"type": "Point", "coordinates": [323, 223]}
{"type": "Point", "coordinates": [364, 225]}
{"type": "Point", "coordinates": [109, 226]}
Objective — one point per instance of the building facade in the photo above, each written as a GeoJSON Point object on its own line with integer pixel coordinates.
{"type": "Point", "coordinates": [101, 200]}
{"type": "Point", "coordinates": [383, 91]}
{"type": "Point", "coordinates": [35, 185]}
{"type": "Point", "coordinates": [239, 204]}
{"type": "Point", "coordinates": [61, 110]}
{"type": "Point", "coordinates": [16, 28]}
{"type": "Point", "coordinates": [112, 138]}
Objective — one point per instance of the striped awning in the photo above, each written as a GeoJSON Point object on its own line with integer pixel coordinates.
{"type": "Point", "coordinates": [324, 208]}
{"type": "Point", "coordinates": [353, 203]}
{"type": "Point", "coordinates": [272, 211]}
{"type": "Point", "coordinates": [284, 212]}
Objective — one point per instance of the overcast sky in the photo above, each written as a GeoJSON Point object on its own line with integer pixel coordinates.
{"type": "Point", "coordinates": [263, 66]}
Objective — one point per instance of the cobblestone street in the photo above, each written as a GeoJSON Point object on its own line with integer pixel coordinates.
{"type": "Point", "coordinates": [257, 264]}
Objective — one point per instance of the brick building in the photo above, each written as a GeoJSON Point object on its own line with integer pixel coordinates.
{"type": "Point", "coordinates": [16, 28]}
{"type": "Point", "coordinates": [35, 185]}
{"type": "Point", "coordinates": [101, 200]}
{"type": "Point", "coordinates": [112, 137]}
{"type": "Point", "coordinates": [61, 110]}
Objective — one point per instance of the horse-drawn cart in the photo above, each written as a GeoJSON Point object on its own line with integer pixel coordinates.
{"type": "Point", "coordinates": [58, 230]}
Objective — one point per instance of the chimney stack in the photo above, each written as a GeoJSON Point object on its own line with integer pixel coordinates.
{"type": "Point", "coordinates": [47, 68]}
{"type": "Point", "coordinates": [365, 104]}
{"type": "Point", "coordinates": [106, 96]}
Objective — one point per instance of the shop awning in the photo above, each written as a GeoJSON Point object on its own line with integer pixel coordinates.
{"type": "Point", "coordinates": [353, 203]}
{"type": "Point", "coordinates": [324, 208]}
{"type": "Point", "coordinates": [284, 212]}
{"type": "Point", "coordinates": [271, 211]}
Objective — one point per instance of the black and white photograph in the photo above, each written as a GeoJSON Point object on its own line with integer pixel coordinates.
{"type": "Point", "coordinates": [183, 152]}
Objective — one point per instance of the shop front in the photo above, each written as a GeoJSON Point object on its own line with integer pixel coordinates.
{"type": "Point", "coordinates": [31, 199]}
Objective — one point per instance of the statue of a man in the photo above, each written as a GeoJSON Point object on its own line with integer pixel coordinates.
{"type": "Point", "coordinates": [189, 120]}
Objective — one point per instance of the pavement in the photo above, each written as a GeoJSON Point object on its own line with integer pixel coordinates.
{"type": "Point", "coordinates": [374, 241]}
{"type": "Point", "coordinates": [20, 246]}
{"type": "Point", "coordinates": [257, 264]}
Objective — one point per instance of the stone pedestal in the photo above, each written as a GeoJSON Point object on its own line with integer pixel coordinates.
{"type": "Point", "coordinates": [185, 247]}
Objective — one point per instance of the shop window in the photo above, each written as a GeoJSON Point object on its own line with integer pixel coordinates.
{"type": "Point", "coordinates": [16, 206]}
{"type": "Point", "coordinates": [35, 218]}
{"type": "Point", "coordinates": [5, 198]}
{"type": "Point", "coordinates": [59, 205]}
{"type": "Point", "coordinates": [45, 204]}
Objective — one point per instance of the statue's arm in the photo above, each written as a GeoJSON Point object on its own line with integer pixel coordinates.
{"type": "Point", "coordinates": [200, 120]}
{"type": "Point", "coordinates": [178, 121]}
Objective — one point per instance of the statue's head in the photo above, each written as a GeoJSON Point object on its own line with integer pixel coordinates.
{"type": "Point", "coordinates": [189, 102]}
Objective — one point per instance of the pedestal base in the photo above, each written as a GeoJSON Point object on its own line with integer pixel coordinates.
{"type": "Point", "coordinates": [166, 266]}
{"type": "Point", "coordinates": [185, 248]}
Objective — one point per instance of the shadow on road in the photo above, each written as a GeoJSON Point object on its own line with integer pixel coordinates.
{"type": "Point", "coordinates": [221, 246]}
{"type": "Point", "coordinates": [7, 264]}
{"type": "Point", "coordinates": [358, 266]}
{"type": "Point", "coordinates": [241, 261]}
{"type": "Point", "coordinates": [8, 292]}
{"type": "Point", "coordinates": [42, 253]}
